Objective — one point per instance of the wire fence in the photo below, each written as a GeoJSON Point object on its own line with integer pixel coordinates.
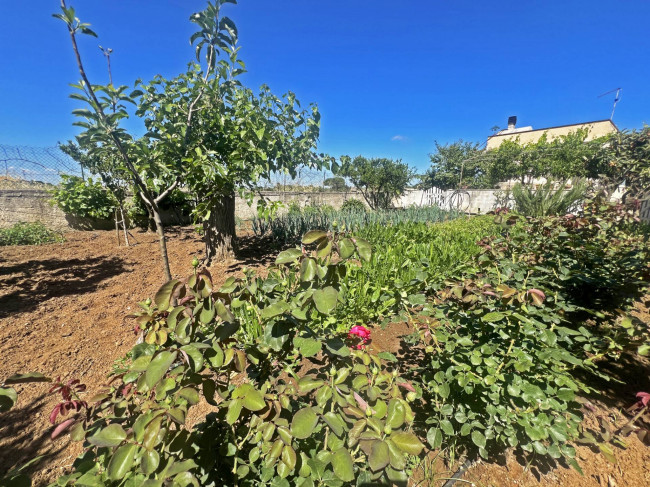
{"type": "Point", "coordinates": [33, 167]}
{"type": "Point", "coordinates": [306, 180]}
{"type": "Point", "coordinates": [23, 167]}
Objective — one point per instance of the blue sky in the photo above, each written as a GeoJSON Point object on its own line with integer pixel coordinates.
{"type": "Point", "coordinates": [390, 78]}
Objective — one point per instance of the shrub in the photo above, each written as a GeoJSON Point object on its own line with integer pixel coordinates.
{"type": "Point", "coordinates": [353, 205]}
{"type": "Point", "coordinates": [503, 343]}
{"type": "Point", "coordinates": [89, 199]}
{"type": "Point", "coordinates": [28, 234]}
{"type": "Point", "coordinates": [546, 200]}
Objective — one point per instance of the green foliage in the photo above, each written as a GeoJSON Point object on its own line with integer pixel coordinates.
{"type": "Point", "coordinates": [625, 159]}
{"type": "Point", "coordinates": [380, 180]}
{"type": "Point", "coordinates": [353, 205]}
{"type": "Point", "coordinates": [336, 184]}
{"type": "Point", "coordinates": [288, 228]}
{"type": "Point", "coordinates": [34, 233]}
{"type": "Point", "coordinates": [454, 166]}
{"type": "Point", "coordinates": [84, 198]}
{"type": "Point", "coordinates": [350, 419]}
{"type": "Point", "coordinates": [505, 341]}
{"type": "Point", "coordinates": [565, 157]}
{"type": "Point", "coordinates": [550, 199]}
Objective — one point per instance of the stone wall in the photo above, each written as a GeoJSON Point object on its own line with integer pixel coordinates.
{"type": "Point", "coordinates": [30, 205]}
{"type": "Point", "coordinates": [33, 205]}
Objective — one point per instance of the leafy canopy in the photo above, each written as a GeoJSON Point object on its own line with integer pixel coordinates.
{"type": "Point", "coordinates": [380, 180]}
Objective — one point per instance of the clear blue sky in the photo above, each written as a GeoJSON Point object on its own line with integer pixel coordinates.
{"type": "Point", "coordinates": [390, 78]}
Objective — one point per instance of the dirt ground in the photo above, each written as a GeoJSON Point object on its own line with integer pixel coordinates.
{"type": "Point", "coordinates": [63, 312]}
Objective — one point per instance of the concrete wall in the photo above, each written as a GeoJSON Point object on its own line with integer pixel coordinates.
{"type": "Point", "coordinates": [245, 212]}
{"type": "Point", "coordinates": [32, 205]}
{"type": "Point", "coordinates": [475, 201]}
{"type": "Point", "coordinates": [28, 205]}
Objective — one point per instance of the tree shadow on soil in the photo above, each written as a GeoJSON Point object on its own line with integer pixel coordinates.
{"type": "Point", "coordinates": [255, 251]}
{"type": "Point", "coordinates": [37, 280]}
{"type": "Point", "coordinates": [629, 374]}
{"type": "Point", "coordinates": [20, 443]}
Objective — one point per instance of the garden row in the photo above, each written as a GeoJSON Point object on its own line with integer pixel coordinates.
{"type": "Point", "coordinates": [504, 327]}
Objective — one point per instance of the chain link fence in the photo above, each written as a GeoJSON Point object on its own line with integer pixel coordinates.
{"type": "Point", "coordinates": [307, 180]}
{"type": "Point", "coordinates": [34, 167]}
{"type": "Point", "coordinates": [23, 166]}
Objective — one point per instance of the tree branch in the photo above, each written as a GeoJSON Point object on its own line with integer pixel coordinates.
{"type": "Point", "coordinates": [166, 192]}
{"type": "Point", "coordinates": [98, 108]}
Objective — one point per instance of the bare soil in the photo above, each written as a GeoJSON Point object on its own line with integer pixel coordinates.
{"type": "Point", "coordinates": [64, 312]}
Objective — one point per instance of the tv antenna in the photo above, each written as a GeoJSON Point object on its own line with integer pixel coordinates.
{"type": "Point", "coordinates": [616, 99]}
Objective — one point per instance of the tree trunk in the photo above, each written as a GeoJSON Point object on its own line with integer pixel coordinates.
{"type": "Point", "coordinates": [160, 230]}
{"type": "Point", "coordinates": [219, 229]}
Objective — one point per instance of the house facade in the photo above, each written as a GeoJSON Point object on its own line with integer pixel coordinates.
{"type": "Point", "coordinates": [527, 135]}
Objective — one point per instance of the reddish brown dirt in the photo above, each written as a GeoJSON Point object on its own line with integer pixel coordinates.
{"type": "Point", "coordinates": [63, 312]}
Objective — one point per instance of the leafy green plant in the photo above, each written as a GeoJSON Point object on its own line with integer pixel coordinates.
{"type": "Point", "coordinates": [379, 180]}
{"type": "Point", "coordinates": [349, 420]}
{"type": "Point", "coordinates": [550, 199]}
{"type": "Point", "coordinates": [353, 205]}
{"type": "Point", "coordinates": [34, 233]}
{"type": "Point", "coordinates": [83, 198]}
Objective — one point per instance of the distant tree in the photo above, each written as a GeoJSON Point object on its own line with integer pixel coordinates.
{"type": "Point", "coordinates": [457, 164]}
{"type": "Point", "coordinates": [379, 180]}
{"type": "Point", "coordinates": [336, 184]}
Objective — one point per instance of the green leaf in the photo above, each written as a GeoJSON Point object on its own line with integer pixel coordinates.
{"type": "Point", "coordinates": [407, 442]}
{"type": "Point", "coordinates": [303, 423]}
{"type": "Point", "coordinates": [149, 462]}
{"type": "Point", "coordinates": [389, 357]}
{"type": "Point", "coordinates": [158, 367]}
{"type": "Point", "coordinates": [493, 316]}
{"type": "Point", "coordinates": [417, 299]}
{"type": "Point", "coordinates": [334, 422]}
{"type": "Point", "coordinates": [164, 294]}
{"type": "Point", "coordinates": [274, 309]}
{"type": "Point", "coordinates": [346, 248]}
{"type": "Point", "coordinates": [364, 249]}
{"type": "Point", "coordinates": [308, 269]}
{"type": "Point", "coordinates": [434, 438]}
{"type": "Point", "coordinates": [8, 397]}
{"type": "Point", "coordinates": [110, 436]}
{"type": "Point", "coordinates": [478, 438]}
{"type": "Point", "coordinates": [253, 400]}
{"type": "Point", "coordinates": [121, 462]}
{"type": "Point", "coordinates": [307, 383]}
{"type": "Point", "coordinates": [343, 465]}
{"type": "Point", "coordinates": [565, 394]}
{"type": "Point", "coordinates": [196, 357]}
{"type": "Point", "coordinates": [312, 236]}
{"type": "Point", "coordinates": [379, 456]}
{"type": "Point", "coordinates": [310, 347]}
{"type": "Point", "coordinates": [234, 409]}
{"type": "Point", "coordinates": [325, 299]}
{"type": "Point", "coordinates": [288, 256]}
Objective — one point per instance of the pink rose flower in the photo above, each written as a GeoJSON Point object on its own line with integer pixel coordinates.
{"type": "Point", "coordinates": [361, 332]}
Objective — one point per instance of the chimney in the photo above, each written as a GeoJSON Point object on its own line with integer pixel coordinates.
{"type": "Point", "coordinates": [512, 121]}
